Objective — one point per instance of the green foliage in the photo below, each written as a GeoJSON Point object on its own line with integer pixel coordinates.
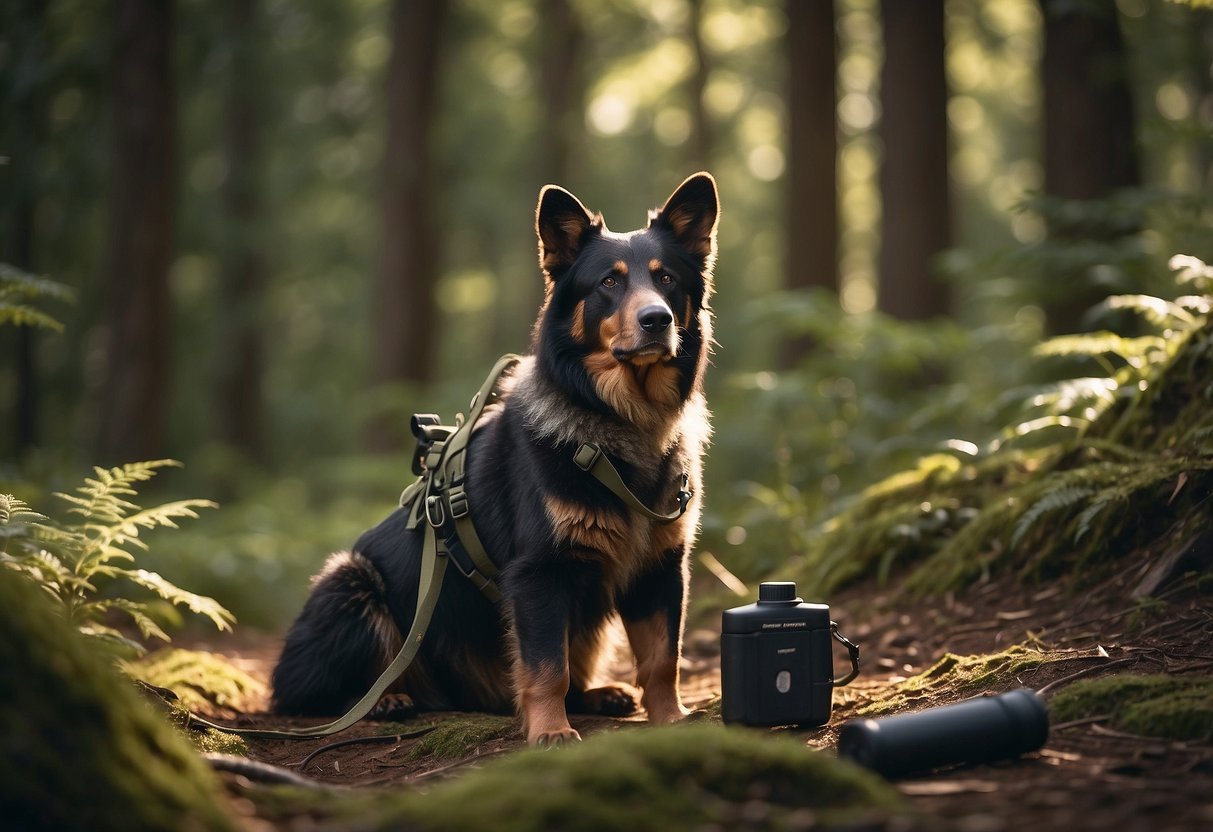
{"type": "Point", "coordinates": [1174, 707]}
{"type": "Point", "coordinates": [18, 291]}
{"type": "Point", "coordinates": [199, 679]}
{"type": "Point", "coordinates": [461, 735]}
{"type": "Point", "coordinates": [677, 777]}
{"type": "Point", "coordinates": [955, 677]}
{"type": "Point", "coordinates": [78, 748]}
{"type": "Point", "coordinates": [1087, 469]}
{"type": "Point", "coordinates": [73, 561]}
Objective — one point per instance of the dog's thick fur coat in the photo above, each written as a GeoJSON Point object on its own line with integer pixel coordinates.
{"type": "Point", "coordinates": [618, 356]}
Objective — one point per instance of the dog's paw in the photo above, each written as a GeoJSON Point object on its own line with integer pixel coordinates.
{"type": "Point", "coordinates": [551, 739]}
{"type": "Point", "coordinates": [393, 707]}
{"type": "Point", "coordinates": [612, 700]}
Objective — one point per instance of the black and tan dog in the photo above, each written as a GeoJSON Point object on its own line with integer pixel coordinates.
{"type": "Point", "coordinates": [618, 357]}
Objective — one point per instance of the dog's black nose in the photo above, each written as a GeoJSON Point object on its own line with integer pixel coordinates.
{"type": "Point", "coordinates": [655, 318]}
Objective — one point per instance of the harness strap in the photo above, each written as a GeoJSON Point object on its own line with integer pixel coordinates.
{"type": "Point", "coordinates": [590, 458]}
{"type": "Point", "coordinates": [433, 566]}
{"type": "Point", "coordinates": [436, 495]}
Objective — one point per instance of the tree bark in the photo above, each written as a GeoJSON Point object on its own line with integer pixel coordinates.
{"type": "Point", "coordinates": [22, 136]}
{"type": "Point", "coordinates": [563, 88]}
{"type": "Point", "coordinates": [240, 363]}
{"type": "Point", "coordinates": [1090, 145]}
{"type": "Point", "coordinates": [700, 142]}
{"type": "Point", "coordinates": [917, 223]}
{"type": "Point", "coordinates": [404, 299]}
{"type": "Point", "coordinates": [812, 178]}
{"type": "Point", "coordinates": [133, 387]}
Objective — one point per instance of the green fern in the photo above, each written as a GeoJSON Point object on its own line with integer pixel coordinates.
{"type": "Point", "coordinates": [18, 289]}
{"type": "Point", "coordinates": [1058, 498]}
{"type": "Point", "coordinates": [71, 561]}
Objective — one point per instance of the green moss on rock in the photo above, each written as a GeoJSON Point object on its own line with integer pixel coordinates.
{"type": "Point", "coordinates": [1172, 707]}
{"type": "Point", "coordinates": [79, 749]}
{"type": "Point", "coordinates": [199, 679]}
{"type": "Point", "coordinates": [956, 676]}
{"type": "Point", "coordinates": [461, 735]}
{"type": "Point", "coordinates": [677, 777]}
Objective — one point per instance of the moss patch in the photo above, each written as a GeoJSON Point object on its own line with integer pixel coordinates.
{"type": "Point", "coordinates": [956, 676]}
{"type": "Point", "coordinates": [679, 777]}
{"type": "Point", "coordinates": [79, 749]}
{"type": "Point", "coordinates": [1172, 707]}
{"type": "Point", "coordinates": [461, 735]}
{"type": "Point", "coordinates": [200, 680]}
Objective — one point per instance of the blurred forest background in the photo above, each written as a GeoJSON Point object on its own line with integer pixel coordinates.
{"type": "Point", "coordinates": [287, 225]}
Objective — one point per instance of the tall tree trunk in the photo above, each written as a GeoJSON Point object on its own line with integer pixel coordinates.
{"type": "Point", "coordinates": [1090, 147]}
{"type": "Point", "coordinates": [812, 191]}
{"type": "Point", "coordinates": [917, 222]}
{"type": "Point", "coordinates": [22, 137]}
{"type": "Point", "coordinates": [408, 271]}
{"type": "Point", "coordinates": [700, 143]}
{"type": "Point", "coordinates": [563, 88]}
{"type": "Point", "coordinates": [133, 387]}
{"type": "Point", "coordinates": [240, 363]}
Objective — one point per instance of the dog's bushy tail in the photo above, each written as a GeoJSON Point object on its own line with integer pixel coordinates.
{"type": "Point", "coordinates": [340, 643]}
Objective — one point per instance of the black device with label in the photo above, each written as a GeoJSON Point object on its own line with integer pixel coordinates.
{"type": "Point", "coordinates": [777, 665]}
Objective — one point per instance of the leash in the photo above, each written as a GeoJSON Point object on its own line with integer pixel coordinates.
{"type": "Point", "coordinates": [436, 497]}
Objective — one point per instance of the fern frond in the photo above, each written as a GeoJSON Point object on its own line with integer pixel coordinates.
{"type": "Point", "coordinates": [17, 288]}
{"type": "Point", "coordinates": [101, 500]}
{"type": "Point", "coordinates": [1101, 343]}
{"type": "Point", "coordinates": [17, 512]}
{"type": "Point", "coordinates": [1190, 269]}
{"type": "Point", "coordinates": [127, 530]}
{"type": "Point", "coordinates": [200, 604]}
{"type": "Point", "coordinates": [113, 637]}
{"type": "Point", "coordinates": [148, 627]}
{"type": "Point", "coordinates": [1055, 499]}
{"type": "Point", "coordinates": [1161, 313]}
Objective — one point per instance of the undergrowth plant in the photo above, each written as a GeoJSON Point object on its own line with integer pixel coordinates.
{"type": "Point", "coordinates": [81, 562]}
{"type": "Point", "coordinates": [19, 292]}
{"type": "Point", "coordinates": [1090, 468]}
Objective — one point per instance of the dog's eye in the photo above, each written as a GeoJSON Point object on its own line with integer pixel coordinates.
{"type": "Point", "coordinates": [666, 279]}
{"type": "Point", "coordinates": [609, 282]}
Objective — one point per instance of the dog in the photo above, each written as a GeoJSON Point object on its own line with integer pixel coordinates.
{"type": "Point", "coordinates": [618, 355]}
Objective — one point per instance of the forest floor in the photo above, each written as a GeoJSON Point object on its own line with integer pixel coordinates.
{"type": "Point", "coordinates": [1088, 776]}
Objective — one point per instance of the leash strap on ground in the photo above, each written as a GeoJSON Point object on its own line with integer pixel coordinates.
{"type": "Point", "coordinates": [433, 566]}
{"type": "Point", "coordinates": [590, 458]}
{"type": "Point", "coordinates": [437, 495]}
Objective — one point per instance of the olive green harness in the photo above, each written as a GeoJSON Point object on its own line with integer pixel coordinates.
{"type": "Point", "coordinates": [438, 497]}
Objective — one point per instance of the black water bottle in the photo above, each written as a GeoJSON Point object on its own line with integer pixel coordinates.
{"type": "Point", "coordinates": [777, 665]}
{"type": "Point", "coordinates": [979, 730]}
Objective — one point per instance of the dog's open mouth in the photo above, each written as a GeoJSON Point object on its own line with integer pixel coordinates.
{"type": "Point", "coordinates": [644, 355]}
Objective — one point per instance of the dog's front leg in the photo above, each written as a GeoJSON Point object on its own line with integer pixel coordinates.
{"type": "Point", "coordinates": [541, 668]}
{"type": "Point", "coordinates": [653, 612]}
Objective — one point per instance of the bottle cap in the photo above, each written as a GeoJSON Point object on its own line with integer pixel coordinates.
{"type": "Point", "coordinates": [777, 592]}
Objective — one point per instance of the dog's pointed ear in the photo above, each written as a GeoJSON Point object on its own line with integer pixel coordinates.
{"type": "Point", "coordinates": [690, 214]}
{"type": "Point", "coordinates": [561, 223]}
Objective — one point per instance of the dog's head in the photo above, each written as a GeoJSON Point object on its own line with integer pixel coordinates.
{"type": "Point", "coordinates": [626, 326]}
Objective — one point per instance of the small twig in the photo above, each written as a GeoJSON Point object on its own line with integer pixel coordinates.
{"type": "Point", "coordinates": [1074, 723]}
{"type": "Point", "coordinates": [261, 772]}
{"type": "Point", "coordinates": [425, 775]}
{"type": "Point", "coordinates": [302, 764]}
{"type": "Point", "coordinates": [1084, 672]}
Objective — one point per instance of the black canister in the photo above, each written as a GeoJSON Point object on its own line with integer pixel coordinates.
{"type": "Point", "coordinates": [777, 664]}
{"type": "Point", "coordinates": [979, 730]}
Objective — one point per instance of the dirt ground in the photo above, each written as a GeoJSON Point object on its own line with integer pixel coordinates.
{"type": "Point", "coordinates": [1087, 777]}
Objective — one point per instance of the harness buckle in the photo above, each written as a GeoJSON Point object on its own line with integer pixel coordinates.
{"type": "Point", "coordinates": [587, 455]}
{"type": "Point", "coordinates": [434, 512]}
{"type": "Point", "coordinates": [457, 500]}
{"type": "Point", "coordinates": [684, 494]}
